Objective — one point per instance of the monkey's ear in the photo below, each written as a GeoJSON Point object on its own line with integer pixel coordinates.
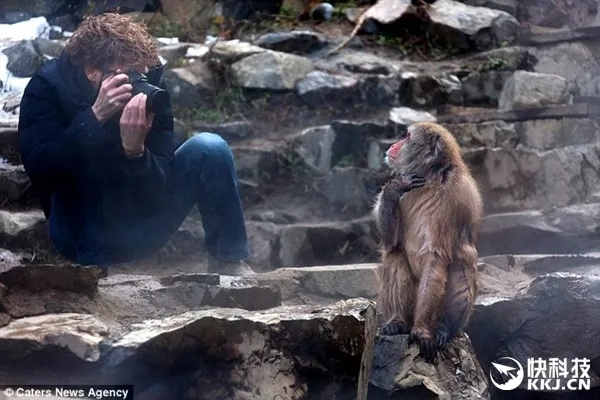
{"type": "Point", "coordinates": [438, 150]}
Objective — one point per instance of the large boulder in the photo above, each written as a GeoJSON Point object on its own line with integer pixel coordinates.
{"type": "Point", "coordinates": [472, 27]}
{"type": "Point", "coordinates": [270, 70]}
{"type": "Point", "coordinates": [532, 89]}
{"type": "Point", "coordinates": [521, 178]}
{"type": "Point", "coordinates": [274, 353]}
{"type": "Point", "coordinates": [554, 316]}
{"type": "Point", "coordinates": [570, 230]}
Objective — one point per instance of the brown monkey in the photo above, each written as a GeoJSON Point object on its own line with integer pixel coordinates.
{"type": "Point", "coordinates": [428, 216]}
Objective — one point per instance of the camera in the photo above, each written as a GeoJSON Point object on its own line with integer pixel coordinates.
{"type": "Point", "coordinates": [158, 99]}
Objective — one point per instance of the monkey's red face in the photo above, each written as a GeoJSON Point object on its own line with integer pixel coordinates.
{"type": "Point", "coordinates": [394, 150]}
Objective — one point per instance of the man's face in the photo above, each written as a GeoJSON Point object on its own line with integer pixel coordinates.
{"type": "Point", "coordinates": [96, 76]}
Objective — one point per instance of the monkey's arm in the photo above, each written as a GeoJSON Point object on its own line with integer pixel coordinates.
{"type": "Point", "coordinates": [389, 218]}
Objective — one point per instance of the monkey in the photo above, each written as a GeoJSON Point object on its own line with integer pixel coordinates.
{"type": "Point", "coordinates": [428, 216]}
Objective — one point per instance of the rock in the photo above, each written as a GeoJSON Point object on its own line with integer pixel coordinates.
{"type": "Point", "coordinates": [388, 11]}
{"type": "Point", "coordinates": [376, 153]}
{"type": "Point", "coordinates": [322, 147]}
{"type": "Point", "coordinates": [379, 90]}
{"type": "Point", "coordinates": [195, 17]}
{"type": "Point", "coordinates": [542, 134]}
{"type": "Point", "coordinates": [79, 334]}
{"type": "Point", "coordinates": [540, 322]}
{"type": "Point", "coordinates": [191, 86]}
{"type": "Point", "coordinates": [576, 62]}
{"type": "Point", "coordinates": [230, 131]}
{"type": "Point", "coordinates": [567, 230]}
{"type": "Point", "coordinates": [361, 128]}
{"type": "Point", "coordinates": [521, 179]}
{"type": "Point", "coordinates": [4, 320]}
{"type": "Point", "coordinates": [315, 147]}
{"type": "Point", "coordinates": [231, 51]}
{"type": "Point", "coordinates": [320, 88]}
{"type": "Point", "coordinates": [250, 192]}
{"type": "Point", "coordinates": [3, 292]}
{"type": "Point", "coordinates": [231, 9]}
{"type": "Point", "coordinates": [175, 51]}
{"type": "Point", "coordinates": [259, 164]}
{"type": "Point", "coordinates": [49, 48]}
{"type": "Point", "coordinates": [454, 375]}
{"type": "Point", "coordinates": [425, 90]}
{"type": "Point", "coordinates": [24, 59]}
{"type": "Point", "coordinates": [369, 26]}
{"type": "Point", "coordinates": [403, 117]}
{"type": "Point", "coordinates": [21, 10]}
{"type": "Point", "coordinates": [270, 70]}
{"type": "Point", "coordinates": [294, 42]}
{"type": "Point", "coordinates": [534, 265]}
{"type": "Point", "coordinates": [509, 58]}
{"type": "Point", "coordinates": [510, 6]}
{"type": "Point", "coordinates": [484, 88]}
{"type": "Point", "coordinates": [548, 13]}
{"type": "Point", "coordinates": [247, 297]}
{"type": "Point", "coordinates": [38, 277]}
{"type": "Point", "coordinates": [292, 342]}
{"type": "Point", "coordinates": [14, 182]}
{"type": "Point", "coordinates": [20, 229]}
{"type": "Point", "coordinates": [263, 239]}
{"type": "Point", "coordinates": [324, 284]}
{"type": "Point", "coordinates": [83, 8]}
{"type": "Point", "coordinates": [472, 27]}
{"type": "Point", "coordinates": [302, 245]}
{"type": "Point", "coordinates": [531, 89]}
{"type": "Point", "coordinates": [348, 187]}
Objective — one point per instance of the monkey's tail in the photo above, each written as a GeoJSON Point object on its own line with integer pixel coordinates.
{"type": "Point", "coordinates": [397, 288]}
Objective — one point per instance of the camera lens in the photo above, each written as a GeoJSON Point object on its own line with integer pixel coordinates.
{"type": "Point", "coordinates": [157, 100]}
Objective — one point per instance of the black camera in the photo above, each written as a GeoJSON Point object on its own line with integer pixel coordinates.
{"type": "Point", "coordinates": [158, 99]}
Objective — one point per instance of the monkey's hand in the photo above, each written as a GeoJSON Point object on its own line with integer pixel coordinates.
{"type": "Point", "coordinates": [427, 344]}
{"type": "Point", "coordinates": [406, 183]}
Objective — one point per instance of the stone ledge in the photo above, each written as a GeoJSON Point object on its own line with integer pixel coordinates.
{"type": "Point", "coordinates": [569, 35]}
{"type": "Point", "coordinates": [576, 110]}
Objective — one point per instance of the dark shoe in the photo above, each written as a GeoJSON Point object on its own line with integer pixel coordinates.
{"type": "Point", "coordinates": [233, 268]}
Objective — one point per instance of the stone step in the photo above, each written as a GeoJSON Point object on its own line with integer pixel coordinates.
{"type": "Point", "coordinates": [30, 290]}
{"type": "Point", "coordinates": [584, 33]}
{"type": "Point", "coordinates": [498, 274]}
{"type": "Point", "coordinates": [577, 110]}
{"type": "Point", "coordinates": [561, 230]}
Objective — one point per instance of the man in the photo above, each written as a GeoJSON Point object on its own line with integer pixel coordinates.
{"type": "Point", "coordinates": [110, 181]}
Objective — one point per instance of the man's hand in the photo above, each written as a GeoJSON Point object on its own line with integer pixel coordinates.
{"type": "Point", "coordinates": [112, 97]}
{"type": "Point", "coordinates": [135, 125]}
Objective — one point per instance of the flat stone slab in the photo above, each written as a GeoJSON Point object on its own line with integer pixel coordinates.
{"type": "Point", "coordinates": [40, 277]}
{"type": "Point", "coordinates": [328, 282]}
{"type": "Point", "coordinates": [567, 35]}
{"type": "Point", "coordinates": [576, 110]}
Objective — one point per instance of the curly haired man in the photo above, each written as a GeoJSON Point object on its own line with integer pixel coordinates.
{"type": "Point", "coordinates": [110, 179]}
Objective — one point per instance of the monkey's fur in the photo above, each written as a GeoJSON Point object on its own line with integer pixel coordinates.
{"type": "Point", "coordinates": [429, 216]}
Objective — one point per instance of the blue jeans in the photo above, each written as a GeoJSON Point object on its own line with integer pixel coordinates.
{"type": "Point", "coordinates": [203, 174]}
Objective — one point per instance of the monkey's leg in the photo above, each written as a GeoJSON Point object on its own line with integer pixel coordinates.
{"type": "Point", "coordinates": [461, 292]}
{"type": "Point", "coordinates": [397, 293]}
{"type": "Point", "coordinates": [430, 296]}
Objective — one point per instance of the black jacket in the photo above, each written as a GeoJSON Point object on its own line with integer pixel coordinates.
{"type": "Point", "coordinates": [91, 193]}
